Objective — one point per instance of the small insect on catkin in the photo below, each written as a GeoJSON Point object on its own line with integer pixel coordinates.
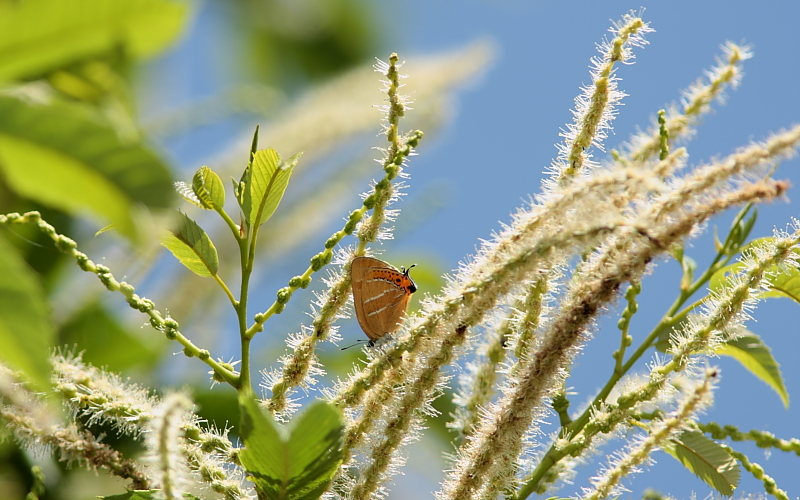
{"type": "Point", "coordinates": [381, 294]}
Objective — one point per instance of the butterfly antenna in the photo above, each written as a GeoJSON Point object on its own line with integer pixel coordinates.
{"type": "Point", "coordinates": [353, 345]}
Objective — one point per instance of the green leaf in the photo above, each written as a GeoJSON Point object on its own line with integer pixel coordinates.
{"type": "Point", "coordinates": [208, 188]}
{"type": "Point", "coordinates": [26, 331]}
{"type": "Point", "coordinates": [240, 187]}
{"type": "Point", "coordinates": [253, 146]}
{"type": "Point", "coordinates": [707, 459]}
{"type": "Point", "coordinates": [187, 193]}
{"type": "Point", "coordinates": [292, 462]}
{"type": "Point", "coordinates": [192, 247]}
{"type": "Point", "coordinates": [747, 225]}
{"type": "Point", "coordinates": [65, 156]}
{"type": "Point", "coordinates": [753, 354]}
{"type": "Point", "coordinates": [266, 180]}
{"type": "Point", "coordinates": [143, 495]}
{"type": "Point", "coordinates": [783, 282]}
{"type": "Point", "coordinates": [38, 36]}
{"type": "Point", "coordinates": [720, 278]}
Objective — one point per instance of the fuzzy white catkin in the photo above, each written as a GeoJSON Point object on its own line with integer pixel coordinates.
{"type": "Point", "coordinates": [164, 442]}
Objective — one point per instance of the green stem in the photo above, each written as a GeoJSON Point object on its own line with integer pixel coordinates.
{"type": "Point", "coordinates": [232, 225]}
{"type": "Point", "coordinates": [247, 250]}
{"type": "Point", "coordinates": [167, 326]}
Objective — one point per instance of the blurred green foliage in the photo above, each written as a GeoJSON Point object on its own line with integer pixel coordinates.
{"type": "Point", "coordinates": [71, 146]}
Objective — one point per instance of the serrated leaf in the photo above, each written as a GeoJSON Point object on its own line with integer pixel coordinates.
{"type": "Point", "coordinates": [783, 282]}
{"type": "Point", "coordinates": [753, 354]}
{"type": "Point", "coordinates": [187, 193]}
{"type": "Point", "coordinates": [707, 459]}
{"type": "Point", "coordinates": [292, 462]}
{"type": "Point", "coordinates": [26, 331]}
{"type": "Point", "coordinates": [65, 156]}
{"type": "Point", "coordinates": [267, 180]}
{"type": "Point", "coordinates": [33, 44]}
{"type": "Point", "coordinates": [719, 278]}
{"type": "Point", "coordinates": [208, 188]}
{"type": "Point", "coordinates": [192, 247]}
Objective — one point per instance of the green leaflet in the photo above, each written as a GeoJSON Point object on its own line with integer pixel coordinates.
{"type": "Point", "coordinates": [208, 188]}
{"type": "Point", "coordinates": [707, 459]}
{"type": "Point", "coordinates": [753, 354]}
{"type": "Point", "coordinates": [64, 156]}
{"type": "Point", "coordinates": [26, 331]}
{"type": "Point", "coordinates": [263, 184]}
{"type": "Point", "coordinates": [292, 462]}
{"type": "Point", "coordinates": [38, 36]}
{"type": "Point", "coordinates": [187, 193]}
{"type": "Point", "coordinates": [192, 247]}
{"type": "Point", "coordinates": [783, 282]}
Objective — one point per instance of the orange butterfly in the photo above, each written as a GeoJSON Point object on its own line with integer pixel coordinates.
{"type": "Point", "coordinates": [381, 294]}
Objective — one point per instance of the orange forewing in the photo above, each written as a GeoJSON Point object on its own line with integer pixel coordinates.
{"type": "Point", "coordinates": [381, 294]}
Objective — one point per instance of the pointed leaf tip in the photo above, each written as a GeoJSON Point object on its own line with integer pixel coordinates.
{"type": "Point", "coordinates": [756, 356]}
{"type": "Point", "coordinates": [253, 145]}
{"type": "Point", "coordinates": [269, 177]}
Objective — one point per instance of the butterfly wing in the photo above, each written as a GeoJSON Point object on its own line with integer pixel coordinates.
{"type": "Point", "coordinates": [358, 275]}
{"type": "Point", "coordinates": [380, 295]}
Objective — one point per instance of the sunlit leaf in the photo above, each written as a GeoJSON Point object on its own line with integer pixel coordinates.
{"type": "Point", "coordinates": [266, 180]}
{"type": "Point", "coordinates": [753, 354]}
{"type": "Point", "coordinates": [26, 331]}
{"type": "Point", "coordinates": [187, 193]}
{"type": "Point", "coordinates": [208, 188]}
{"type": "Point", "coordinates": [192, 247]}
{"type": "Point", "coordinates": [37, 36]}
{"type": "Point", "coordinates": [64, 156]}
{"type": "Point", "coordinates": [292, 462]}
{"type": "Point", "coordinates": [783, 282]}
{"type": "Point", "coordinates": [707, 459]}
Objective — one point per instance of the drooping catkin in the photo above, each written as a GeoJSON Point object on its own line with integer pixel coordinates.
{"type": "Point", "coordinates": [164, 442]}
